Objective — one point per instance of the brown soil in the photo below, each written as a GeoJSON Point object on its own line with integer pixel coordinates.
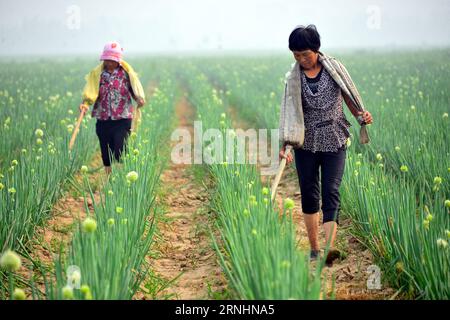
{"type": "Point", "coordinates": [184, 250]}
{"type": "Point", "coordinates": [64, 215]}
{"type": "Point", "coordinates": [351, 273]}
{"type": "Point", "coordinates": [69, 209]}
{"type": "Point", "coordinates": [58, 229]}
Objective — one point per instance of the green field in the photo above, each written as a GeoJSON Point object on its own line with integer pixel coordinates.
{"type": "Point", "coordinates": [395, 193]}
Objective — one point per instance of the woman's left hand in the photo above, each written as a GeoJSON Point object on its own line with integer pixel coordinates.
{"type": "Point", "coordinates": [367, 117]}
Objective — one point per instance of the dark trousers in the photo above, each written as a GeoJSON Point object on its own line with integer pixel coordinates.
{"type": "Point", "coordinates": [112, 135]}
{"type": "Point", "coordinates": [331, 166]}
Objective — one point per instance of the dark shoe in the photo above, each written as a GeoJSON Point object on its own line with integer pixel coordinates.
{"type": "Point", "coordinates": [332, 255]}
{"type": "Point", "coordinates": [314, 254]}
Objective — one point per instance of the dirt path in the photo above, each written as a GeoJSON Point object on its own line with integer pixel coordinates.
{"type": "Point", "coordinates": [65, 213]}
{"type": "Point", "coordinates": [351, 272]}
{"type": "Point", "coordinates": [184, 249]}
{"type": "Point", "coordinates": [58, 229]}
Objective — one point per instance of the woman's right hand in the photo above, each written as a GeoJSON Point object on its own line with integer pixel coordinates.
{"type": "Point", "coordinates": [84, 107]}
{"type": "Point", "coordinates": [289, 158]}
{"type": "Point", "coordinates": [140, 103]}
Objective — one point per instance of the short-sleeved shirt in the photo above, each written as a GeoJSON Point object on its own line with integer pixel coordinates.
{"type": "Point", "coordinates": [114, 99]}
{"type": "Point", "coordinates": [326, 128]}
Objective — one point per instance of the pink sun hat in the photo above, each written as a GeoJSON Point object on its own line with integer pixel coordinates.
{"type": "Point", "coordinates": [112, 51]}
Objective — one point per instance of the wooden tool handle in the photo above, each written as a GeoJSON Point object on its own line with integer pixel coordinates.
{"type": "Point", "coordinates": [77, 128]}
{"type": "Point", "coordinates": [280, 172]}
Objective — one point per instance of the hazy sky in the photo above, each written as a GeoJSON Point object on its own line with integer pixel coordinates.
{"type": "Point", "coordinates": [62, 26]}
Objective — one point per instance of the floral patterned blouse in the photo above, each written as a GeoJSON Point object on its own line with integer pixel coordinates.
{"type": "Point", "coordinates": [326, 127]}
{"type": "Point", "coordinates": [114, 98]}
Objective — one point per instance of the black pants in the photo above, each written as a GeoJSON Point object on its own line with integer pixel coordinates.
{"type": "Point", "coordinates": [332, 169]}
{"type": "Point", "coordinates": [112, 135]}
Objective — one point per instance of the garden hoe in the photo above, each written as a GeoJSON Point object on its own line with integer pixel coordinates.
{"type": "Point", "coordinates": [280, 172]}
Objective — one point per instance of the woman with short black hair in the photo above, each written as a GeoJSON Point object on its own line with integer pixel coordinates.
{"type": "Point", "coordinates": [304, 38]}
{"type": "Point", "coordinates": [312, 120]}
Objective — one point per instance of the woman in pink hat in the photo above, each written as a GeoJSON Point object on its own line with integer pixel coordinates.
{"type": "Point", "coordinates": [110, 87]}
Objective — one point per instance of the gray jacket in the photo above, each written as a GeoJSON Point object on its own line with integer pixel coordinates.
{"type": "Point", "coordinates": [291, 125]}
